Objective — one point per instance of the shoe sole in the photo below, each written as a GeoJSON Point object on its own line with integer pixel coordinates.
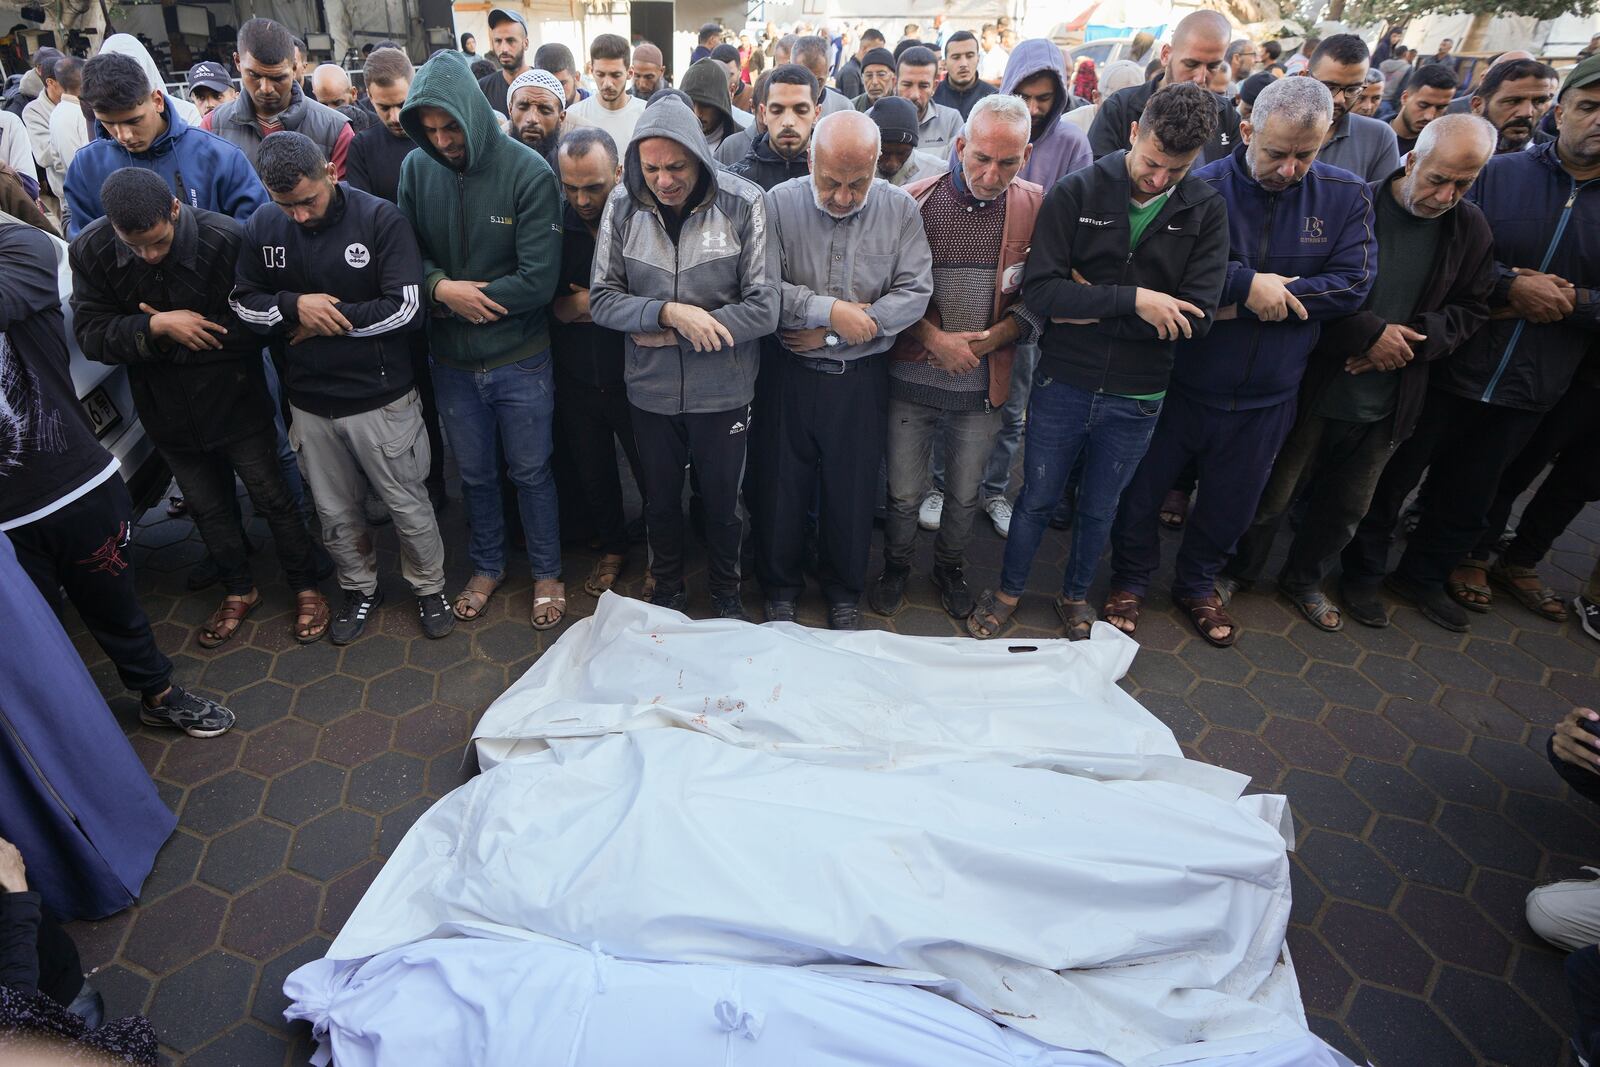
{"type": "Point", "coordinates": [930, 527]}
{"type": "Point", "coordinates": [151, 720]}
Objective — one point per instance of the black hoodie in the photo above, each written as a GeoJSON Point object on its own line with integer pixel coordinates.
{"type": "Point", "coordinates": [764, 166]}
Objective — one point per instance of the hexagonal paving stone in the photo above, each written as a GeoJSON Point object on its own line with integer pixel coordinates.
{"type": "Point", "coordinates": [1377, 948]}
{"type": "Point", "coordinates": [504, 641]}
{"type": "Point", "coordinates": [123, 991]}
{"type": "Point", "coordinates": [237, 669]}
{"type": "Point", "coordinates": [332, 843]}
{"type": "Point", "coordinates": [1324, 981]}
{"type": "Point", "coordinates": [344, 893]}
{"type": "Point", "coordinates": [386, 782]}
{"type": "Point", "coordinates": [1502, 1027]}
{"type": "Point", "coordinates": [1305, 745]}
{"type": "Point", "coordinates": [355, 738]}
{"type": "Point", "coordinates": [1391, 789]}
{"type": "Point", "coordinates": [1455, 669]}
{"type": "Point", "coordinates": [1226, 705]}
{"type": "Point", "coordinates": [371, 656]}
{"type": "Point", "coordinates": [1349, 868]}
{"type": "Point", "coordinates": [399, 691]}
{"type": "Point", "coordinates": [306, 663]}
{"type": "Point", "coordinates": [279, 747]}
{"type": "Point", "coordinates": [1506, 661]}
{"type": "Point", "coordinates": [243, 1046]}
{"type": "Point", "coordinates": [1489, 839]}
{"type": "Point", "coordinates": [1344, 685]}
{"type": "Point", "coordinates": [1244, 753]}
{"type": "Point", "coordinates": [1367, 734]}
{"type": "Point", "coordinates": [1307, 897]}
{"type": "Point", "coordinates": [190, 760]}
{"type": "Point", "coordinates": [261, 704]}
{"type": "Point", "coordinates": [198, 1002]}
{"type": "Point", "coordinates": [1320, 801]}
{"type": "Point", "coordinates": [175, 866]}
{"type": "Point", "coordinates": [1400, 1029]}
{"type": "Point", "coordinates": [175, 929]}
{"type": "Point", "coordinates": [1483, 714]}
{"type": "Point", "coordinates": [1161, 671]}
{"type": "Point", "coordinates": [1455, 778]}
{"type": "Point", "coordinates": [1398, 677]}
{"type": "Point", "coordinates": [244, 856]}
{"type": "Point", "coordinates": [1454, 929]}
{"type": "Point", "coordinates": [1555, 823]}
{"type": "Point", "coordinates": [1283, 695]}
{"type": "Point", "coordinates": [1185, 723]}
{"type": "Point", "coordinates": [1268, 652]}
{"type": "Point", "coordinates": [1535, 703]}
{"type": "Point", "coordinates": [305, 792]}
{"type": "Point", "coordinates": [271, 917]}
{"type": "Point", "coordinates": [270, 999]}
{"type": "Point", "coordinates": [329, 699]}
{"type": "Point", "coordinates": [1516, 766]}
{"type": "Point", "coordinates": [1540, 975]}
{"type": "Point", "coordinates": [224, 801]}
{"type": "Point", "coordinates": [473, 685]}
{"type": "Point", "coordinates": [1215, 664]}
{"type": "Point", "coordinates": [437, 655]}
{"type": "Point", "coordinates": [1425, 724]}
{"type": "Point", "coordinates": [1419, 853]}
{"type": "Point", "coordinates": [448, 771]}
{"type": "Point", "coordinates": [433, 729]}
{"type": "Point", "coordinates": [1338, 648]}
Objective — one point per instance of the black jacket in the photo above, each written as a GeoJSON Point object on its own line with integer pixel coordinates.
{"type": "Point", "coordinates": [766, 168]}
{"type": "Point", "coordinates": [1083, 227]}
{"type": "Point", "coordinates": [365, 255]}
{"type": "Point", "coordinates": [584, 352]}
{"type": "Point", "coordinates": [186, 399]}
{"type": "Point", "coordinates": [373, 162]}
{"type": "Point", "coordinates": [1453, 307]}
{"type": "Point", "coordinates": [1122, 108]}
{"type": "Point", "coordinates": [36, 955]}
{"type": "Point", "coordinates": [947, 94]}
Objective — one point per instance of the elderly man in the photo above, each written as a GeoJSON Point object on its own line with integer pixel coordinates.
{"type": "Point", "coordinates": [1424, 99]}
{"type": "Point", "coordinates": [1199, 42]}
{"type": "Point", "coordinates": [1514, 96]}
{"type": "Point", "coordinates": [899, 162]}
{"type": "Point", "coordinates": [849, 78]}
{"type": "Point", "coordinates": [1365, 384]}
{"type": "Point", "coordinates": [536, 112]}
{"type": "Point", "coordinates": [915, 76]}
{"type": "Point", "coordinates": [877, 78]}
{"type": "Point", "coordinates": [1487, 402]}
{"type": "Point", "coordinates": [694, 323]}
{"type": "Point", "coordinates": [1302, 253]}
{"type": "Point", "coordinates": [789, 112]}
{"type": "Point", "coordinates": [1117, 303]}
{"type": "Point", "coordinates": [508, 39]}
{"type": "Point", "coordinates": [1462, 105]}
{"type": "Point", "coordinates": [645, 70]}
{"type": "Point", "coordinates": [1364, 147]}
{"type": "Point", "coordinates": [610, 108]}
{"type": "Point", "coordinates": [36, 119]}
{"type": "Point", "coordinates": [951, 372]}
{"type": "Point", "coordinates": [331, 85]}
{"type": "Point", "coordinates": [856, 271]}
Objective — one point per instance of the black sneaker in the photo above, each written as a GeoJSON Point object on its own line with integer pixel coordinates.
{"type": "Point", "coordinates": [729, 606]}
{"type": "Point", "coordinates": [192, 713]}
{"type": "Point", "coordinates": [953, 592]}
{"type": "Point", "coordinates": [353, 615]}
{"type": "Point", "coordinates": [673, 601]}
{"type": "Point", "coordinates": [844, 617]}
{"type": "Point", "coordinates": [888, 593]}
{"type": "Point", "coordinates": [1588, 615]}
{"type": "Point", "coordinates": [780, 610]}
{"type": "Point", "coordinates": [436, 616]}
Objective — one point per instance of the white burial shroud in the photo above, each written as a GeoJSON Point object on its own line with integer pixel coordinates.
{"type": "Point", "coordinates": [996, 822]}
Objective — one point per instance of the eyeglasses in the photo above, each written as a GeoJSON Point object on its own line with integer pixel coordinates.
{"type": "Point", "coordinates": [1344, 90]}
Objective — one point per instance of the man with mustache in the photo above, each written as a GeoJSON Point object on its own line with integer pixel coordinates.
{"type": "Point", "coordinates": [536, 112]}
{"type": "Point", "coordinates": [856, 271]}
{"type": "Point", "coordinates": [1363, 146]}
{"type": "Point", "coordinates": [792, 107]}
{"type": "Point", "coordinates": [1514, 96]}
{"type": "Point", "coordinates": [508, 38]}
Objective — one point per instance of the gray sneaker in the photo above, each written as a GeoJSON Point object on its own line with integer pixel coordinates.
{"type": "Point", "coordinates": [192, 713]}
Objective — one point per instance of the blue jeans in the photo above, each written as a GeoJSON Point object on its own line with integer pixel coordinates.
{"type": "Point", "coordinates": [513, 407]}
{"type": "Point", "coordinates": [1111, 433]}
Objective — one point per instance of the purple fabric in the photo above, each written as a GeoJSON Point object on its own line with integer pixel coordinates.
{"type": "Point", "coordinates": [1062, 148]}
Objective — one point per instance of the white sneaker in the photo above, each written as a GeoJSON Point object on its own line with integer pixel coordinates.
{"type": "Point", "coordinates": [999, 510]}
{"type": "Point", "coordinates": [932, 509]}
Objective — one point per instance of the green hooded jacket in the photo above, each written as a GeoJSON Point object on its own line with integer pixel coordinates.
{"type": "Point", "coordinates": [497, 220]}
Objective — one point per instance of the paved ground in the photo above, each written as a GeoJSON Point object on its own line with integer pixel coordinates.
{"type": "Point", "coordinates": [1413, 758]}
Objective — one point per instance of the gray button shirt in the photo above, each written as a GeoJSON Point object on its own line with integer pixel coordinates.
{"type": "Point", "coordinates": [877, 256]}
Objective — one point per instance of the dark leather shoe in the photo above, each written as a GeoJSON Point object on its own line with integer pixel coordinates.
{"type": "Point", "coordinates": [666, 598]}
{"type": "Point", "coordinates": [953, 591]}
{"type": "Point", "coordinates": [1363, 604]}
{"type": "Point", "coordinates": [844, 617]}
{"type": "Point", "coordinates": [888, 593]}
{"type": "Point", "coordinates": [1432, 600]}
{"type": "Point", "coordinates": [729, 606]}
{"type": "Point", "coordinates": [780, 611]}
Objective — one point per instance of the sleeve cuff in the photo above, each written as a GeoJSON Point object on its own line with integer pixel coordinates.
{"type": "Point", "coordinates": [289, 308]}
{"type": "Point", "coordinates": [819, 311]}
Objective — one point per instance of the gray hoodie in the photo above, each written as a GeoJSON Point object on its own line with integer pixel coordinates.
{"type": "Point", "coordinates": [721, 261]}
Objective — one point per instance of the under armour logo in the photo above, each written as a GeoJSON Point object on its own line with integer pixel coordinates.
{"type": "Point", "coordinates": [715, 241]}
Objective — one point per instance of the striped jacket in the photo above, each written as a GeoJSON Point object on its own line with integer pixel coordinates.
{"type": "Point", "coordinates": [363, 254]}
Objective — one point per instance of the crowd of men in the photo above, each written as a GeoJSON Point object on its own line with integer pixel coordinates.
{"type": "Point", "coordinates": [812, 309]}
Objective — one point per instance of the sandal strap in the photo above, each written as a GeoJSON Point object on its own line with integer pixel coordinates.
{"type": "Point", "coordinates": [232, 610]}
{"type": "Point", "coordinates": [992, 607]}
{"type": "Point", "coordinates": [1210, 609]}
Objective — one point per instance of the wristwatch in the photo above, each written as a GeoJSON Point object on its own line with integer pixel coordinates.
{"type": "Point", "coordinates": [831, 339]}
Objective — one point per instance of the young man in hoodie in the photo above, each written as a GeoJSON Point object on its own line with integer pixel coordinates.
{"type": "Point", "coordinates": [1199, 43]}
{"type": "Point", "coordinates": [273, 100]}
{"type": "Point", "coordinates": [790, 112]}
{"type": "Point", "coordinates": [337, 272]}
{"type": "Point", "coordinates": [683, 265]}
{"type": "Point", "coordinates": [705, 83]}
{"type": "Point", "coordinates": [1129, 256]}
{"type": "Point", "coordinates": [488, 218]}
{"type": "Point", "coordinates": [1303, 252]}
{"type": "Point", "coordinates": [143, 131]}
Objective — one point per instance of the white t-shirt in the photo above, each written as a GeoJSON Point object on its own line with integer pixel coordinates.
{"type": "Point", "coordinates": [619, 124]}
{"type": "Point", "coordinates": [992, 64]}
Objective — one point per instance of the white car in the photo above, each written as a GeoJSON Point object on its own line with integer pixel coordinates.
{"type": "Point", "coordinates": [108, 401]}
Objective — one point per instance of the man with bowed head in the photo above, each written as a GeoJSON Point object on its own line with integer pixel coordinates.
{"type": "Point", "coordinates": [684, 266]}
{"type": "Point", "coordinates": [610, 108]}
{"type": "Point", "coordinates": [1302, 253]}
{"type": "Point", "coordinates": [1199, 43]}
{"type": "Point", "coordinates": [855, 272]}
{"type": "Point", "coordinates": [1118, 297]}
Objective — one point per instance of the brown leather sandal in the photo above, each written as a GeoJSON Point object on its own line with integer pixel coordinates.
{"type": "Point", "coordinates": [1077, 616]}
{"type": "Point", "coordinates": [1207, 613]}
{"type": "Point", "coordinates": [470, 602]}
{"type": "Point", "coordinates": [226, 620]}
{"type": "Point", "coordinates": [311, 616]}
{"type": "Point", "coordinates": [606, 571]}
{"type": "Point", "coordinates": [1123, 605]}
{"type": "Point", "coordinates": [990, 616]}
{"type": "Point", "coordinates": [1174, 509]}
{"type": "Point", "coordinates": [1534, 595]}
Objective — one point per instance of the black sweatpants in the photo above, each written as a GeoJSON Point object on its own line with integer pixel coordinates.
{"type": "Point", "coordinates": [83, 548]}
{"type": "Point", "coordinates": [716, 441]}
{"type": "Point", "coordinates": [1464, 445]}
{"type": "Point", "coordinates": [819, 439]}
{"type": "Point", "coordinates": [591, 421]}
{"type": "Point", "coordinates": [1569, 436]}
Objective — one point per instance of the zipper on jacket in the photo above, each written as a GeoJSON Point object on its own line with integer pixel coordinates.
{"type": "Point", "coordinates": [38, 772]}
{"type": "Point", "coordinates": [1544, 265]}
{"type": "Point", "coordinates": [1255, 341]}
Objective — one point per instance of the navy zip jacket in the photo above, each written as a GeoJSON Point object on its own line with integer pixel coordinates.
{"type": "Point", "coordinates": [365, 256]}
{"type": "Point", "coordinates": [1542, 220]}
{"type": "Point", "coordinates": [1320, 232]}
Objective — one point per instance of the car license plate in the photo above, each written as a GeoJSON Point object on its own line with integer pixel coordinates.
{"type": "Point", "coordinates": [103, 414]}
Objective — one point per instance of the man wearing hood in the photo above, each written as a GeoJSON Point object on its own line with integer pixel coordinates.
{"type": "Point", "coordinates": [790, 110]}
{"type": "Point", "coordinates": [1196, 53]}
{"type": "Point", "coordinates": [488, 217]}
{"type": "Point", "coordinates": [273, 100]}
{"type": "Point", "coordinates": [680, 236]}
{"type": "Point", "coordinates": [537, 107]}
{"type": "Point", "coordinates": [706, 85]}
{"type": "Point", "coordinates": [145, 131]}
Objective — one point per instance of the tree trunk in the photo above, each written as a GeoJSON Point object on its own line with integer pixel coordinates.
{"type": "Point", "coordinates": [1477, 32]}
{"type": "Point", "coordinates": [1335, 10]}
